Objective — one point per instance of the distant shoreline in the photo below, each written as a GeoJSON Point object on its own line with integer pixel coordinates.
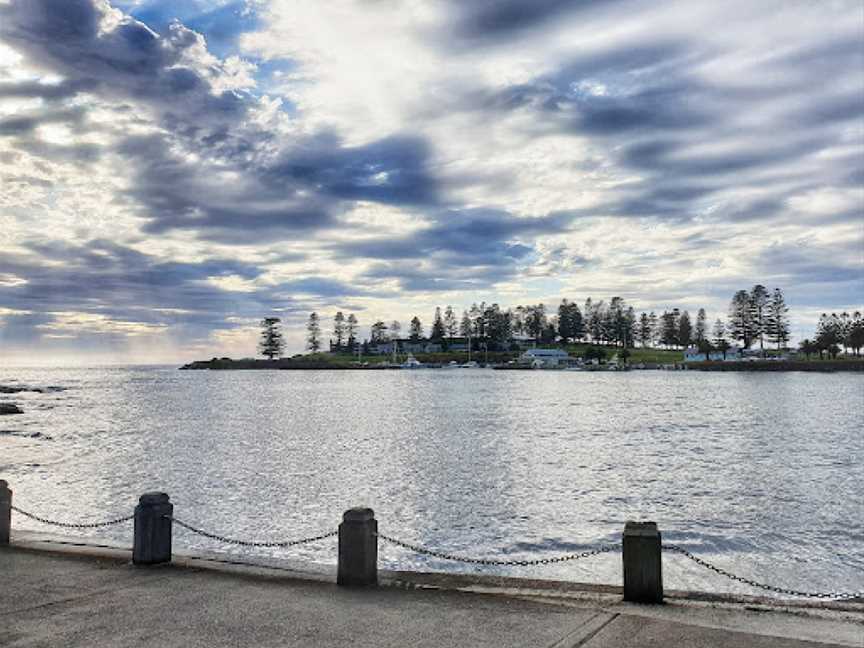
{"type": "Point", "coordinates": [827, 366]}
{"type": "Point", "coordinates": [302, 364]}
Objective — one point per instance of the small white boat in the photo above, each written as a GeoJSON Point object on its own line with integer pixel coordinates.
{"type": "Point", "coordinates": [469, 365]}
{"type": "Point", "coordinates": [411, 363]}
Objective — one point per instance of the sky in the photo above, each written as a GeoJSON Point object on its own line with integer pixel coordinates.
{"type": "Point", "coordinates": [173, 172]}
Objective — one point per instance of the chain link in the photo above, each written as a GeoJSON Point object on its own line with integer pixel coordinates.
{"type": "Point", "coordinates": [248, 543]}
{"type": "Point", "coordinates": [493, 561]}
{"type": "Point", "coordinates": [73, 525]}
{"type": "Point", "coordinates": [763, 586]}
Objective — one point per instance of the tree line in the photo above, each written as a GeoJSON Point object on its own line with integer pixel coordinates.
{"type": "Point", "coordinates": [754, 315]}
{"type": "Point", "coordinates": [835, 333]}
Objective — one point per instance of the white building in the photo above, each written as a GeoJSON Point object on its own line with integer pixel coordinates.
{"type": "Point", "coordinates": [543, 358]}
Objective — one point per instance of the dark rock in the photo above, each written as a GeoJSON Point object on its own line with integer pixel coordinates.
{"type": "Point", "coordinates": [10, 408]}
{"type": "Point", "coordinates": [15, 389]}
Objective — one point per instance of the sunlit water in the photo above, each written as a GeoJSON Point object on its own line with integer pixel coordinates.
{"type": "Point", "coordinates": [759, 473]}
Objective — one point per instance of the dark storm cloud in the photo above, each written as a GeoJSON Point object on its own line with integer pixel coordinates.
{"type": "Point", "coordinates": [469, 248]}
{"type": "Point", "coordinates": [24, 124]}
{"type": "Point", "coordinates": [500, 20]}
{"type": "Point", "coordinates": [49, 91]}
{"type": "Point", "coordinates": [128, 61]}
{"type": "Point", "coordinates": [393, 170]}
{"type": "Point", "coordinates": [643, 86]}
{"type": "Point", "coordinates": [481, 236]}
{"type": "Point", "coordinates": [126, 285]}
{"type": "Point", "coordinates": [277, 188]}
{"type": "Point", "coordinates": [804, 266]}
{"type": "Point", "coordinates": [300, 192]}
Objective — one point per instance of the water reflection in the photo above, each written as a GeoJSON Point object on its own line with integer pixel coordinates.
{"type": "Point", "coordinates": [757, 470]}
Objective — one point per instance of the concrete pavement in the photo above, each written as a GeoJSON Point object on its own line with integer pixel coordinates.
{"type": "Point", "coordinates": [56, 595]}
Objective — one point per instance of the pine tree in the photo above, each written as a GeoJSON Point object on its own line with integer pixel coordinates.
{"type": "Point", "coordinates": [700, 333]}
{"type": "Point", "coordinates": [645, 332]}
{"type": "Point", "coordinates": [669, 328]}
{"type": "Point", "coordinates": [451, 326]}
{"type": "Point", "coordinates": [339, 329]}
{"type": "Point", "coordinates": [415, 330]}
{"type": "Point", "coordinates": [855, 337]}
{"type": "Point", "coordinates": [828, 335]}
{"type": "Point", "coordinates": [378, 332]}
{"type": "Point", "coordinates": [741, 319]}
{"type": "Point", "coordinates": [653, 325]}
{"type": "Point", "coordinates": [438, 331]}
{"type": "Point", "coordinates": [395, 329]}
{"type": "Point", "coordinates": [758, 311]}
{"type": "Point", "coordinates": [313, 333]}
{"type": "Point", "coordinates": [570, 326]}
{"type": "Point", "coordinates": [465, 325]}
{"type": "Point", "coordinates": [685, 330]}
{"type": "Point", "coordinates": [720, 341]}
{"type": "Point", "coordinates": [271, 343]}
{"type": "Point", "coordinates": [351, 331]}
{"type": "Point", "coordinates": [777, 319]}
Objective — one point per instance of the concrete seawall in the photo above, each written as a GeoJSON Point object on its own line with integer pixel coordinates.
{"type": "Point", "coordinates": [60, 591]}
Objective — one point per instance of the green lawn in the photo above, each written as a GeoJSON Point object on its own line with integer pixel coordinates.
{"type": "Point", "coordinates": [637, 355]}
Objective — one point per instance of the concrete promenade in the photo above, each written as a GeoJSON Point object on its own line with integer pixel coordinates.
{"type": "Point", "coordinates": [61, 595]}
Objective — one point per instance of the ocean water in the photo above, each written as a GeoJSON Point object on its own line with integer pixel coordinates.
{"type": "Point", "coordinates": [759, 473]}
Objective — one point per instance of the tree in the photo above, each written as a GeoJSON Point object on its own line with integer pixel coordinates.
{"type": "Point", "coordinates": [395, 329]}
{"type": "Point", "coordinates": [669, 328]}
{"type": "Point", "coordinates": [535, 321]}
{"type": "Point", "coordinates": [313, 333]}
{"type": "Point", "coordinates": [705, 347]}
{"type": "Point", "coordinates": [720, 341]}
{"type": "Point", "coordinates": [351, 331]}
{"type": "Point", "coordinates": [855, 337]}
{"type": "Point", "coordinates": [685, 330]}
{"type": "Point", "coordinates": [777, 319]}
{"type": "Point", "coordinates": [498, 327]}
{"type": "Point", "coordinates": [645, 334]}
{"type": "Point", "coordinates": [828, 335]}
{"type": "Point", "coordinates": [339, 329]}
{"type": "Point", "coordinates": [741, 319]}
{"type": "Point", "coordinates": [378, 332]}
{"type": "Point", "coordinates": [271, 343]}
{"type": "Point", "coordinates": [570, 326]}
{"type": "Point", "coordinates": [475, 314]}
{"type": "Point", "coordinates": [808, 347]}
{"type": "Point", "coordinates": [594, 353]}
{"type": "Point", "coordinates": [619, 321]}
{"type": "Point", "coordinates": [654, 327]}
{"type": "Point", "coordinates": [465, 325]}
{"type": "Point", "coordinates": [451, 326]}
{"type": "Point", "coordinates": [438, 330]}
{"type": "Point", "coordinates": [415, 330]}
{"type": "Point", "coordinates": [700, 333]}
{"type": "Point", "coordinates": [758, 311]}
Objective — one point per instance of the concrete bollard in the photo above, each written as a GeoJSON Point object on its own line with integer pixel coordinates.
{"type": "Point", "coordinates": [358, 548]}
{"type": "Point", "coordinates": [5, 512]}
{"type": "Point", "coordinates": [643, 576]}
{"type": "Point", "coordinates": [152, 543]}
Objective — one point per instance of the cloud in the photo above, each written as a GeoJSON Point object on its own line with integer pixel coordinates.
{"type": "Point", "coordinates": [502, 19]}
{"type": "Point", "coordinates": [244, 158]}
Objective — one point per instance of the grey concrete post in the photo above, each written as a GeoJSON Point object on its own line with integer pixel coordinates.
{"type": "Point", "coordinates": [152, 543]}
{"type": "Point", "coordinates": [358, 548]}
{"type": "Point", "coordinates": [5, 512]}
{"type": "Point", "coordinates": [643, 575]}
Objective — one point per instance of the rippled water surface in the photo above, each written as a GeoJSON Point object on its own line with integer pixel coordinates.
{"type": "Point", "coordinates": [759, 473]}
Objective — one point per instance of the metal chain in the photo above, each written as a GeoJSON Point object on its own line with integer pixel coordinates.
{"type": "Point", "coordinates": [248, 543]}
{"type": "Point", "coordinates": [72, 525]}
{"type": "Point", "coordinates": [492, 561]}
{"type": "Point", "coordinates": [763, 586]}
